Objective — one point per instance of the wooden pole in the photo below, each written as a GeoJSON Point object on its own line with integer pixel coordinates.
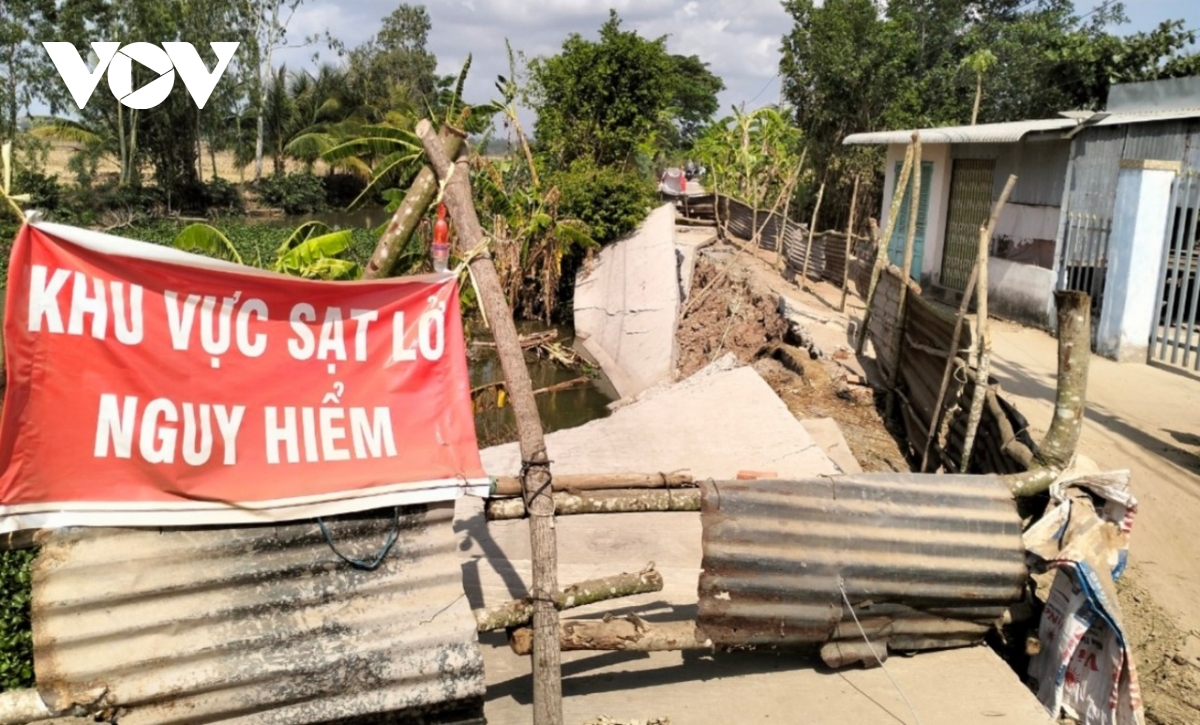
{"type": "Point", "coordinates": [779, 249]}
{"type": "Point", "coordinates": [914, 209]}
{"type": "Point", "coordinates": [812, 230]}
{"type": "Point", "coordinates": [935, 423]}
{"type": "Point", "coordinates": [849, 245]}
{"type": "Point", "coordinates": [535, 464]}
{"type": "Point", "coordinates": [984, 348]}
{"type": "Point", "coordinates": [421, 193]}
{"type": "Point", "coordinates": [1074, 354]}
{"type": "Point", "coordinates": [629, 634]}
{"type": "Point", "coordinates": [881, 247]}
{"type": "Point", "coordinates": [616, 501]}
{"type": "Point", "coordinates": [519, 612]}
{"type": "Point", "coordinates": [511, 486]}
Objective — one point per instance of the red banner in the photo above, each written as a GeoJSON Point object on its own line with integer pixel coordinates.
{"type": "Point", "coordinates": [150, 387]}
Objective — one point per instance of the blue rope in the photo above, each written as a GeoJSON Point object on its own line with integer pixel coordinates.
{"type": "Point", "coordinates": [366, 564]}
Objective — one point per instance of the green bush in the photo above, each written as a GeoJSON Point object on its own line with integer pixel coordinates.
{"type": "Point", "coordinates": [300, 193]}
{"type": "Point", "coordinates": [44, 190]}
{"type": "Point", "coordinates": [16, 634]}
{"type": "Point", "coordinates": [341, 189]}
{"type": "Point", "coordinates": [611, 202]}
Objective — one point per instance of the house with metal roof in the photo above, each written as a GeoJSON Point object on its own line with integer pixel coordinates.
{"type": "Point", "coordinates": [1105, 202]}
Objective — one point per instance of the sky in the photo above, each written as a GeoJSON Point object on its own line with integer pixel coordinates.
{"type": "Point", "coordinates": [739, 38]}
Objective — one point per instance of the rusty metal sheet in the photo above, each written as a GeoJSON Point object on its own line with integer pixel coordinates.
{"type": "Point", "coordinates": [925, 561]}
{"type": "Point", "coordinates": [259, 624]}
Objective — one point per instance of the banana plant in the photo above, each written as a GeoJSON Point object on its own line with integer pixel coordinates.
{"type": "Point", "coordinates": [310, 251]}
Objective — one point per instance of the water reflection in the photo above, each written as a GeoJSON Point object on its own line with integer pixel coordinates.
{"type": "Point", "coordinates": [558, 410]}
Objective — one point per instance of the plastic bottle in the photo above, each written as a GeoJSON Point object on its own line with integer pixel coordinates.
{"type": "Point", "coordinates": [441, 241]}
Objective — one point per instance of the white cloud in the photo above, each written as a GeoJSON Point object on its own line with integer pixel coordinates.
{"type": "Point", "coordinates": [739, 38]}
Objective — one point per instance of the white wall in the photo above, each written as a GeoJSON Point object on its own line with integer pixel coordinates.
{"type": "Point", "coordinates": [1024, 221]}
{"type": "Point", "coordinates": [1021, 292]}
{"type": "Point", "coordinates": [939, 202]}
{"type": "Point", "coordinates": [1135, 256]}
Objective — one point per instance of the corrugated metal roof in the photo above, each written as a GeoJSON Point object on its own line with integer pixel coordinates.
{"type": "Point", "coordinates": [1124, 119]}
{"type": "Point", "coordinates": [259, 624]}
{"type": "Point", "coordinates": [983, 133]}
{"type": "Point", "coordinates": [926, 561]}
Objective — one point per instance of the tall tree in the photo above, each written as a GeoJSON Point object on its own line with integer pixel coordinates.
{"type": "Point", "coordinates": [394, 70]}
{"type": "Point", "coordinates": [270, 20]}
{"type": "Point", "coordinates": [863, 65]}
{"type": "Point", "coordinates": [694, 102]}
{"type": "Point", "coordinates": [22, 60]}
{"type": "Point", "coordinates": [601, 100]}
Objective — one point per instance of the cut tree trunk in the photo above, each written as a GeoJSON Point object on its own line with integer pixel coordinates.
{"type": "Point", "coordinates": [519, 612]}
{"type": "Point", "coordinates": [631, 635]}
{"type": "Point", "coordinates": [604, 502]}
{"type": "Point", "coordinates": [421, 193]}
{"type": "Point", "coordinates": [535, 464]}
{"type": "Point", "coordinates": [511, 486]}
{"type": "Point", "coordinates": [1057, 449]}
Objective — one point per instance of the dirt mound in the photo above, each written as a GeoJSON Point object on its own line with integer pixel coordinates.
{"type": "Point", "coordinates": [740, 315]}
{"type": "Point", "coordinates": [731, 317]}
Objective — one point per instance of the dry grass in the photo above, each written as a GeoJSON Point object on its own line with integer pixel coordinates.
{"type": "Point", "coordinates": [61, 153]}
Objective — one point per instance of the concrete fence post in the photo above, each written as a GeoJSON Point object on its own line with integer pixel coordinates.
{"type": "Point", "coordinates": [1135, 253]}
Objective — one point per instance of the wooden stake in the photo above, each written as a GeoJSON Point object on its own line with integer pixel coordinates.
{"type": "Point", "coordinates": [812, 230]}
{"type": "Point", "coordinates": [779, 248]}
{"type": "Point", "coordinates": [630, 634]}
{"type": "Point", "coordinates": [510, 486]}
{"type": "Point", "coordinates": [914, 209]}
{"type": "Point", "coordinates": [881, 245]}
{"type": "Point", "coordinates": [849, 246]}
{"type": "Point", "coordinates": [1074, 354]}
{"type": "Point", "coordinates": [935, 422]}
{"type": "Point", "coordinates": [535, 473]}
{"type": "Point", "coordinates": [421, 193]}
{"type": "Point", "coordinates": [519, 612]}
{"type": "Point", "coordinates": [984, 348]}
{"type": "Point", "coordinates": [753, 243]}
{"type": "Point", "coordinates": [604, 502]}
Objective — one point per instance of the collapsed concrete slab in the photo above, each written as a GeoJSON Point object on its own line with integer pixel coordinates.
{"type": "Point", "coordinates": [627, 306]}
{"type": "Point", "coordinates": [712, 425]}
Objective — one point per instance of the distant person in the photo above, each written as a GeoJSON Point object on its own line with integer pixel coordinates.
{"type": "Point", "coordinates": [690, 169]}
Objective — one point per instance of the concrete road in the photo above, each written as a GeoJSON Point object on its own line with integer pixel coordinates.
{"type": "Point", "coordinates": [1139, 417]}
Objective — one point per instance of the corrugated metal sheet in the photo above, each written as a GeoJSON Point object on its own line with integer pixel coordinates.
{"type": "Point", "coordinates": [1122, 119]}
{"type": "Point", "coordinates": [925, 561]}
{"type": "Point", "coordinates": [259, 624]}
{"type": "Point", "coordinates": [983, 133]}
{"type": "Point", "coordinates": [1160, 95]}
{"type": "Point", "coordinates": [1160, 141]}
{"type": "Point", "coordinates": [1097, 154]}
{"type": "Point", "coordinates": [1040, 167]}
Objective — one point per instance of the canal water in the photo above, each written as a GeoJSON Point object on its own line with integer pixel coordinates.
{"type": "Point", "coordinates": [495, 423]}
